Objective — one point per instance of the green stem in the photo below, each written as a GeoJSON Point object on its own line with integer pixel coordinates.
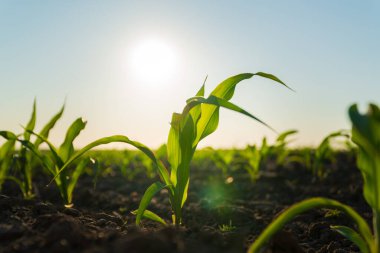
{"type": "Point", "coordinates": [376, 231]}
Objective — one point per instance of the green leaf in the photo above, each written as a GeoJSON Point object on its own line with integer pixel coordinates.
{"type": "Point", "coordinates": [147, 197]}
{"type": "Point", "coordinates": [8, 135]}
{"type": "Point", "coordinates": [225, 90]}
{"type": "Point", "coordinates": [187, 151]}
{"type": "Point", "coordinates": [32, 122]}
{"type": "Point", "coordinates": [67, 147]}
{"type": "Point", "coordinates": [366, 134]}
{"type": "Point", "coordinates": [75, 176]}
{"type": "Point", "coordinates": [152, 216]}
{"type": "Point", "coordinates": [272, 77]}
{"type": "Point", "coordinates": [120, 138]}
{"type": "Point", "coordinates": [353, 236]}
{"type": "Point", "coordinates": [6, 156]}
{"type": "Point", "coordinates": [58, 160]}
{"type": "Point", "coordinates": [219, 102]}
{"type": "Point", "coordinates": [306, 205]}
{"type": "Point", "coordinates": [6, 150]}
{"type": "Point", "coordinates": [173, 146]}
{"type": "Point", "coordinates": [46, 129]}
{"type": "Point", "coordinates": [46, 162]}
{"type": "Point", "coordinates": [281, 138]}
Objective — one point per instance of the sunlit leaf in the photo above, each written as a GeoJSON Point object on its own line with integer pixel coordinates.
{"type": "Point", "coordinates": [366, 134]}
{"type": "Point", "coordinates": [120, 138]}
{"type": "Point", "coordinates": [46, 129]}
{"type": "Point", "coordinates": [32, 122]}
{"type": "Point", "coordinates": [353, 236]}
{"type": "Point", "coordinates": [147, 197]}
{"type": "Point", "coordinates": [152, 216]}
{"type": "Point", "coordinates": [304, 206]}
{"type": "Point", "coordinates": [67, 147]}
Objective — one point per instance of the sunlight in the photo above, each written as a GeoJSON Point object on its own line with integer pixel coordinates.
{"type": "Point", "coordinates": [153, 62]}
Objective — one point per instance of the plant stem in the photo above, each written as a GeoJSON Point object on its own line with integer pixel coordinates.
{"type": "Point", "coordinates": [376, 230]}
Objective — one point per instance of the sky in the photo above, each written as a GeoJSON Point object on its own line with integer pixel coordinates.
{"type": "Point", "coordinates": [92, 56]}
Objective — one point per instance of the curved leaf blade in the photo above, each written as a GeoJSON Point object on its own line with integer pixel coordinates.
{"type": "Point", "coordinates": [272, 77]}
{"type": "Point", "coordinates": [52, 148]}
{"type": "Point", "coordinates": [120, 138]}
{"type": "Point", "coordinates": [152, 190]}
{"type": "Point", "coordinates": [75, 177]}
{"type": "Point", "coordinates": [32, 122]}
{"type": "Point", "coordinates": [306, 205]}
{"type": "Point", "coordinates": [353, 236]}
{"type": "Point", "coordinates": [46, 129]}
{"type": "Point", "coordinates": [366, 134]}
{"type": "Point", "coordinates": [67, 147]}
{"type": "Point", "coordinates": [8, 135]}
{"type": "Point", "coordinates": [220, 102]}
{"type": "Point", "coordinates": [152, 216]}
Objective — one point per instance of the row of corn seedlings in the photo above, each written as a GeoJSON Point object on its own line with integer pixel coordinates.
{"type": "Point", "coordinates": [199, 118]}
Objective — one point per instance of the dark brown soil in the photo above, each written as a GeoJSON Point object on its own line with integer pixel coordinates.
{"type": "Point", "coordinates": [101, 220]}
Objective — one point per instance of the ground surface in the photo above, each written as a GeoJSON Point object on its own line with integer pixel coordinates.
{"type": "Point", "coordinates": [101, 220]}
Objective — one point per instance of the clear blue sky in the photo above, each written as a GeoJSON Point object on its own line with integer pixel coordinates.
{"type": "Point", "coordinates": [327, 50]}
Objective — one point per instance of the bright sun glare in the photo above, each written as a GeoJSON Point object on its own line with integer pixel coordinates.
{"type": "Point", "coordinates": [153, 61]}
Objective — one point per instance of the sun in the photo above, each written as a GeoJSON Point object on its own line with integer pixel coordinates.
{"type": "Point", "coordinates": [153, 61]}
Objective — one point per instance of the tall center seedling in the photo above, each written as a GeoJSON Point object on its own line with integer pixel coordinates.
{"type": "Point", "coordinates": [199, 118]}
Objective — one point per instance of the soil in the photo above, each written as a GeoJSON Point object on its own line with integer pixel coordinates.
{"type": "Point", "coordinates": [101, 220]}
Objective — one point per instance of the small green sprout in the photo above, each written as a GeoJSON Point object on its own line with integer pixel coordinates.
{"type": "Point", "coordinates": [6, 154]}
{"type": "Point", "coordinates": [366, 135]}
{"type": "Point", "coordinates": [325, 152]}
{"type": "Point", "coordinates": [332, 213]}
{"type": "Point", "coordinates": [223, 160]}
{"type": "Point", "coordinates": [227, 227]}
{"type": "Point", "coordinates": [280, 149]}
{"type": "Point", "coordinates": [252, 158]}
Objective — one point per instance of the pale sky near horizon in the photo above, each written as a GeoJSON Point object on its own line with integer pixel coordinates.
{"type": "Point", "coordinates": [82, 52]}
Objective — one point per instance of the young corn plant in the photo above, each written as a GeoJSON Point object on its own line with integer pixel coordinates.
{"type": "Point", "coordinates": [366, 135]}
{"type": "Point", "coordinates": [199, 118]}
{"type": "Point", "coordinates": [6, 159]}
{"type": "Point", "coordinates": [222, 159]}
{"type": "Point", "coordinates": [252, 159]}
{"type": "Point", "coordinates": [57, 161]}
{"type": "Point", "coordinates": [280, 149]}
{"type": "Point", "coordinates": [22, 160]}
{"type": "Point", "coordinates": [325, 152]}
{"type": "Point", "coordinates": [60, 159]}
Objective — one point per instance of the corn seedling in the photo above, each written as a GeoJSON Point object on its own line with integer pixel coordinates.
{"type": "Point", "coordinates": [65, 156]}
{"type": "Point", "coordinates": [58, 160]}
{"type": "Point", "coordinates": [227, 227]}
{"type": "Point", "coordinates": [252, 160]}
{"type": "Point", "coordinates": [366, 135]}
{"type": "Point", "coordinates": [23, 159]}
{"type": "Point", "coordinates": [222, 159]}
{"type": "Point", "coordinates": [252, 157]}
{"type": "Point", "coordinates": [6, 154]}
{"type": "Point", "coordinates": [279, 149]}
{"type": "Point", "coordinates": [325, 152]}
{"type": "Point", "coordinates": [199, 118]}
